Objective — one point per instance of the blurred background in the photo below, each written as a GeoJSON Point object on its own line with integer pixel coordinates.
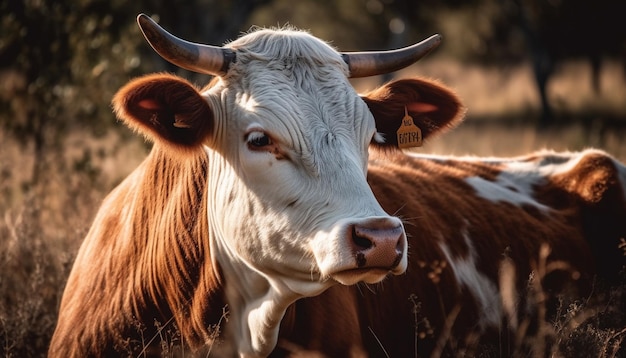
{"type": "Point", "coordinates": [533, 73]}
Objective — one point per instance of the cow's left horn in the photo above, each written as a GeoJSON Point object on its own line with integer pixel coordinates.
{"type": "Point", "coordinates": [191, 56]}
{"type": "Point", "coordinates": [371, 63]}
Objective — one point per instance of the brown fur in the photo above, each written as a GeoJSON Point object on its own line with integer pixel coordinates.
{"type": "Point", "coordinates": [145, 259]}
{"type": "Point", "coordinates": [387, 103]}
{"type": "Point", "coordinates": [165, 108]}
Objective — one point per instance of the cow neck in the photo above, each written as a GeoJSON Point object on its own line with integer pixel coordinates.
{"type": "Point", "coordinates": [174, 197]}
{"type": "Point", "coordinates": [257, 301]}
{"type": "Point", "coordinates": [257, 304]}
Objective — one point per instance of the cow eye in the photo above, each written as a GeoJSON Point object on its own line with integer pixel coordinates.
{"type": "Point", "coordinates": [258, 140]}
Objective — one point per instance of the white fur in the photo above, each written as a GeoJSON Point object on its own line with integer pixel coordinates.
{"type": "Point", "coordinates": [280, 221]}
{"type": "Point", "coordinates": [483, 289]}
{"type": "Point", "coordinates": [506, 190]}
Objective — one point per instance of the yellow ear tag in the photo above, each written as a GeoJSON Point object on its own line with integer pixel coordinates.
{"type": "Point", "coordinates": [409, 135]}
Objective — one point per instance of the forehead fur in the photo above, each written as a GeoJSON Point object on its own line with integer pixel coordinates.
{"type": "Point", "coordinates": [282, 44]}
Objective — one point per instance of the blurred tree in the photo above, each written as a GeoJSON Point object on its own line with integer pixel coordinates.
{"type": "Point", "coordinates": [58, 61]}
{"type": "Point", "coordinates": [352, 24]}
{"type": "Point", "coordinates": [557, 31]}
{"type": "Point", "coordinates": [61, 61]}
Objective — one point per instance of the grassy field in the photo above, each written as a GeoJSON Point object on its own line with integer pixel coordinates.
{"type": "Point", "coordinates": [43, 223]}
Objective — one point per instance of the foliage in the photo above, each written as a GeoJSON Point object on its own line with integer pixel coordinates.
{"type": "Point", "coordinates": [62, 61]}
{"type": "Point", "coordinates": [59, 61]}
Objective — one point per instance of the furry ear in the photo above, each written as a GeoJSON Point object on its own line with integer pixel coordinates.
{"type": "Point", "coordinates": [165, 108]}
{"type": "Point", "coordinates": [432, 107]}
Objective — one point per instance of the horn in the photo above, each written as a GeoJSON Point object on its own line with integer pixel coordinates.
{"type": "Point", "coordinates": [195, 57]}
{"type": "Point", "coordinates": [371, 63]}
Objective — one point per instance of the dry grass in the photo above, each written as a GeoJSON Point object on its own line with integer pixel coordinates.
{"type": "Point", "coordinates": [42, 224]}
{"type": "Point", "coordinates": [41, 228]}
{"type": "Point", "coordinates": [554, 325]}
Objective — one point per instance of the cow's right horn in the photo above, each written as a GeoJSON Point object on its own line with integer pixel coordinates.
{"type": "Point", "coordinates": [371, 63]}
{"type": "Point", "coordinates": [191, 56]}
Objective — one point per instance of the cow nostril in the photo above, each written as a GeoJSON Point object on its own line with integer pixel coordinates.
{"type": "Point", "coordinates": [361, 242]}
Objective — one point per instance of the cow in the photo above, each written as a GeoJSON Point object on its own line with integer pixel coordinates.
{"type": "Point", "coordinates": [277, 211]}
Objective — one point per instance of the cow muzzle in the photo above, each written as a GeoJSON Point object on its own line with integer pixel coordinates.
{"type": "Point", "coordinates": [363, 250]}
{"type": "Point", "coordinates": [376, 245]}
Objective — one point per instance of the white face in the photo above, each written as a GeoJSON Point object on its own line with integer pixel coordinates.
{"type": "Point", "coordinates": [290, 196]}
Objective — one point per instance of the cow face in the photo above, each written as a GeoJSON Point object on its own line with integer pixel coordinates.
{"type": "Point", "coordinates": [298, 153]}
{"type": "Point", "coordinates": [287, 139]}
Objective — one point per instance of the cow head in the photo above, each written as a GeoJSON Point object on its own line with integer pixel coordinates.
{"type": "Point", "coordinates": [287, 139]}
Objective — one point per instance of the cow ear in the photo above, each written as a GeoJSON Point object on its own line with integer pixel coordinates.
{"type": "Point", "coordinates": [430, 106]}
{"type": "Point", "coordinates": [165, 108]}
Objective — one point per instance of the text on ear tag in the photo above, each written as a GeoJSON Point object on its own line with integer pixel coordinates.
{"type": "Point", "coordinates": [409, 135]}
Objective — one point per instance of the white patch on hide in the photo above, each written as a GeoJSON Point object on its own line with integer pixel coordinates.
{"type": "Point", "coordinates": [480, 286]}
{"type": "Point", "coordinates": [505, 190]}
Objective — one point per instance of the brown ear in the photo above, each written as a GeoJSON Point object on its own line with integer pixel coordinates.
{"type": "Point", "coordinates": [165, 108]}
{"type": "Point", "coordinates": [432, 106]}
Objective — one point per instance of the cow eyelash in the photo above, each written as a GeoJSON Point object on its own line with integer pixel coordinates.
{"type": "Point", "coordinates": [258, 140]}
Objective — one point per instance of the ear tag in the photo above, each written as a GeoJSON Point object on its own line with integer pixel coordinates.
{"type": "Point", "coordinates": [409, 135]}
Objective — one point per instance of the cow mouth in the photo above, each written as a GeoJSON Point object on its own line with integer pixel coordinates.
{"type": "Point", "coordinates": [367, 275]}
